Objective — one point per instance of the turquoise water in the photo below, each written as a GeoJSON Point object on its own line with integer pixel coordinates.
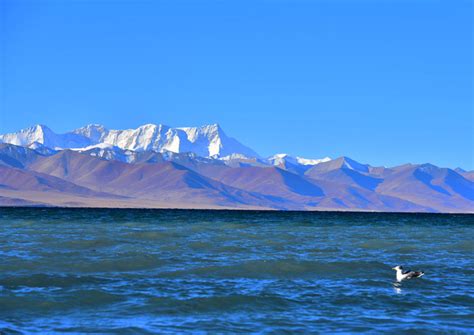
{"type": "Point", "coordinates": [176, 271]}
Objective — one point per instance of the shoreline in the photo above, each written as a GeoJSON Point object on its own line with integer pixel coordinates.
{"type": "Point", "coordinates": [244, 210]}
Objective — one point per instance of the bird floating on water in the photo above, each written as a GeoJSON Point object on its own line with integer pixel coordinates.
{"type": "Point", "coordinates": [405, 275]}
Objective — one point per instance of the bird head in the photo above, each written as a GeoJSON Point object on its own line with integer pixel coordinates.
{"type": "Point", "coordinates": [398, 267]}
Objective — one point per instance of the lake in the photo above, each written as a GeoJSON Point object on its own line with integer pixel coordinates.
{"type": "Point", "coordinates": [121, 271]}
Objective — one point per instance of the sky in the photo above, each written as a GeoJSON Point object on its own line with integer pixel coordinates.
{"type": "Point", "coordinates": [383, 82]}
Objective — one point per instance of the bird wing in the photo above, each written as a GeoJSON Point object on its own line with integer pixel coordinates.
{"type": "Point", "coordinates": [413, 274]}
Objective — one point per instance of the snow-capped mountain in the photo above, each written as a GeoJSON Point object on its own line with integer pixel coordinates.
{"type": "Point", "coordinates": [34, 173]}
{"type": "Point", "coordinates": [342, 163]}
{"type": "Point", "coordinates": [205, 141]}
{"type": "Point", "coordinates": [280, 159]}
{"type": "Point", "coordinates": [294, 164]}
{"type": "Point", "coordinates": [42, 135]}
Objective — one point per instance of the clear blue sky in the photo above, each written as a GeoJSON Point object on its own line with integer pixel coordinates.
{"type": "Point", "coordinates": [384, 82]}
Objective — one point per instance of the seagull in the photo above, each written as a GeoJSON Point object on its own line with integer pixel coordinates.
{"type": "Point", "coordinates": [404, 275]}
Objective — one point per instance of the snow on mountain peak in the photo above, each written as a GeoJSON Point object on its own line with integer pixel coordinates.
{"type": "Point", "coordinates": [235, 157]}
{"type": "Point", "coordinates": [92, 131]}
{"type": "Point", "coordinates": [283, 158]}
{"type": "Point", "coordinates": [280, 159]}
{"type": "Point", "coordinates": [38, 133]}
{"type": "Point", "coordinates": [206, 141]}
{"type": "Point", "coordinates": [280, 156]}
{"type": "Point", "coordinates": [306, 161]}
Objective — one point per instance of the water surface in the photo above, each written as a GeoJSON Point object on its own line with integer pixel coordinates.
{"type": "Point", "coordinates": [165, 271]}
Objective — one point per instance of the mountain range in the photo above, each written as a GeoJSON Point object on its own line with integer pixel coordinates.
{"type": "Point", "coordinates": [156, 166]}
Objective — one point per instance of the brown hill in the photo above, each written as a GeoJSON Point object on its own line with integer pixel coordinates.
{"type": "Point", "coordinates": [164, 181]}
{"type": "Point", "coordinates": [429, 185]}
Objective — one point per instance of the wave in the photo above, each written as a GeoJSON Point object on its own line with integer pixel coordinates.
{"type": "Point", "coordinates": [286, 268]}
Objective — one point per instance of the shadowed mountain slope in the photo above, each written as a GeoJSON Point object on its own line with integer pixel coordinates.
{"type": "Point", "coordinates": [154, 179]}
{"type": "Point", "coordinates": [17, 179]}
{"type": "Point", "coordinates": [429, 185]}
{"type": "Point", "coordinates": [16, 156]}
{"type": "Point", "coordinates": [164, 180]}
{"type": "Point", "coordinates": [312, 194]}
{"type": "Point", "coordinates": [469, 175]}
{"type": "Point", "coordinates": [267, 180]}
{"type": "Point", "coordinates": [346, 171]}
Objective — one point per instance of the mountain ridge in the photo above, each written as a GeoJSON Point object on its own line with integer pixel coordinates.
{"type": "Point", "coordinates": [206, 141]}
{"type": "Point", "coordinates": [134, 168]}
